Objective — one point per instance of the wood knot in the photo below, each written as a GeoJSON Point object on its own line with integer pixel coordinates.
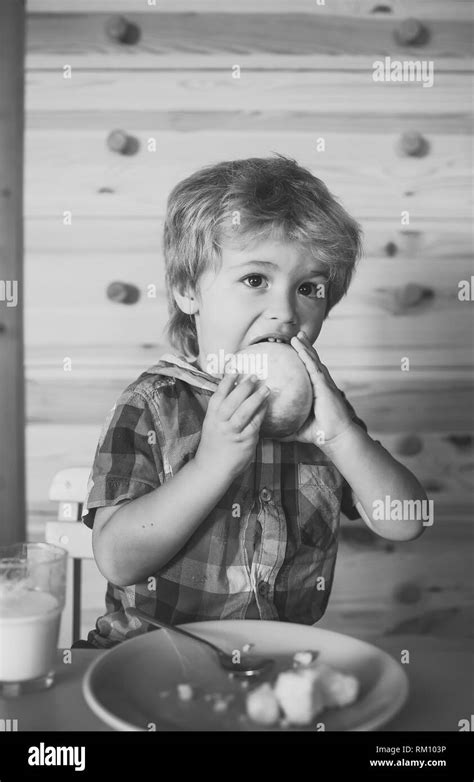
{"type": "Point", "coordinates": [121, 30]}
{"type": "Point", "coordinates": [123, 292]}
{"type": "Point", "coordinates": [412, 143]}
{"type": "Point", "coordinates": [407, 593]}
{"type": "Point", "coordinates": [411, 295]}
{"type": "Point", "coordinates": [409, 445]}
{"type": "Point", "coordinates": [391, 249]}
{"type": "Point", "coordinates": [411, 32]}
{"type": "Point", "coordinates": [122, 143]}
{"type": "Point", "coordinates": [461, 441]}
{"type": "Point", "coordinates": [432, 485]}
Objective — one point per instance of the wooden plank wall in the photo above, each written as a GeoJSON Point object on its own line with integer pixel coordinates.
{"type": "Point", "coordinates": [94, 216]}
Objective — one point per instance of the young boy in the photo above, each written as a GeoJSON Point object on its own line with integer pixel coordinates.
{"type": "Point", "coordinates": [194, 516]}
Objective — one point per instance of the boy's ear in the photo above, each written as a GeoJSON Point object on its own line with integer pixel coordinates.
{"type": "Point", "coordinates": [187, 302]}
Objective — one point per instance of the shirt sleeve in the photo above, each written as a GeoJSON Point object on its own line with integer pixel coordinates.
{"type": "Point", "coordinates": [348, 507]}
{"type": "Point", "coordinates": [127, 462]}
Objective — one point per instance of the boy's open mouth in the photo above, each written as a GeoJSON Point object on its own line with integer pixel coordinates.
{"type": "Point", "coordinates": [271, 338]}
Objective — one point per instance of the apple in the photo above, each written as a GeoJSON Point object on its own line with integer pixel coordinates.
{"type": "Point", "coordinates": [281, 369]}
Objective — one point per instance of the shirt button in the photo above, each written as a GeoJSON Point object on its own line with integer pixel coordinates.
{"type": "Point", "coordinates": [266, 495]}
{"type": "Point", "coordinates": [262, 589]}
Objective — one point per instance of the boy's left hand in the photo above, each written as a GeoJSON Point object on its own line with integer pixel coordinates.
{"type": "Point", "coordinates": [330, 416]}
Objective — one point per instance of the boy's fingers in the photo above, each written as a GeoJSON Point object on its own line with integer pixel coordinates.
{"type": "Point", "coordinates": [312, 369]}
{"type": "Point", "coordinates": [247, 410]}
{"type": "Point", "coordinates": [306, 349]}
{"type": "Point", "coordinates": [309, 347]}
{"type": "Point", "coordinates": [302, 345]}
{"type": "Point", "coordinates": [224, 388]}
{"type": "Point", "coordinates": [256, 419]}
{"type": "Point", "coordinates": [235, 398]}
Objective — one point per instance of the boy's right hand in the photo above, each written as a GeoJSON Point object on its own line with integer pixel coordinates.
{"type": "Point", "coordinates": [231, 427]}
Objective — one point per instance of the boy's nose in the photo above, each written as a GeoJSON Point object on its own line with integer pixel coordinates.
{"type": "Point", "coordinates": [282, 308]}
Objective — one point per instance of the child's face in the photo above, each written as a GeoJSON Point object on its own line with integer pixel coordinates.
{"type": "Point", "coordinates": [273, 287]}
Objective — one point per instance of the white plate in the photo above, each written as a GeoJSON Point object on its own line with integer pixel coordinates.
{"type": "Point", "coordinates": [124, 686]}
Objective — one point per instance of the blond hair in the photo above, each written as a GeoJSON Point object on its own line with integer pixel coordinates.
{"type": "Point", "coordinates": [272, 198]}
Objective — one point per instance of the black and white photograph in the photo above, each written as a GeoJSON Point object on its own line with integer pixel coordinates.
{"type": "Point", "coordinates": [236, 384]}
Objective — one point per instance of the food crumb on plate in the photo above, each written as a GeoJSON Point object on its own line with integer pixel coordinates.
{"type": "Point", "coordinates": [304, 658]}
{"type": "Point", "coordinates": [262, 705]}
{"type": "Point", "coordinates": [220, 705]}
{"type": "Point", "coordinates": [300, 693]}
{"type": "Point", "coordinates": [185, 692]}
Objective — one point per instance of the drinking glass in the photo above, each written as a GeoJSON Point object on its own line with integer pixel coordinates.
{"type": "Point", "coordinates": [32, 595]}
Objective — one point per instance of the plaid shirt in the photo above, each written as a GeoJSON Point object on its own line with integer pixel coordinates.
{"type": "Point", "coordinates": [266, 551]}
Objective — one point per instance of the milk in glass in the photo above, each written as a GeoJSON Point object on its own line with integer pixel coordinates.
{"type": "Point", "coordinates": [29, 629]}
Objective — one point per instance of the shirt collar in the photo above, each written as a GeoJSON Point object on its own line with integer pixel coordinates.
{"type": "Point", "coordinates": [180, 367]}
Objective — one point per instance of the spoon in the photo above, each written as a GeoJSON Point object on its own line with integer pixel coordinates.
{"type": "Point", "coordinates": [247, 665]}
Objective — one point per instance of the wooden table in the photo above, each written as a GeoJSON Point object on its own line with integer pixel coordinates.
{"type": "Point", "coordinates": [440, 673]}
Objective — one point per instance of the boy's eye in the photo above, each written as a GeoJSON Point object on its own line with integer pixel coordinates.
{"type": "Point", "coordinates": [254, 280]}
{"type": "Point", "coordinates": [309, 289]}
